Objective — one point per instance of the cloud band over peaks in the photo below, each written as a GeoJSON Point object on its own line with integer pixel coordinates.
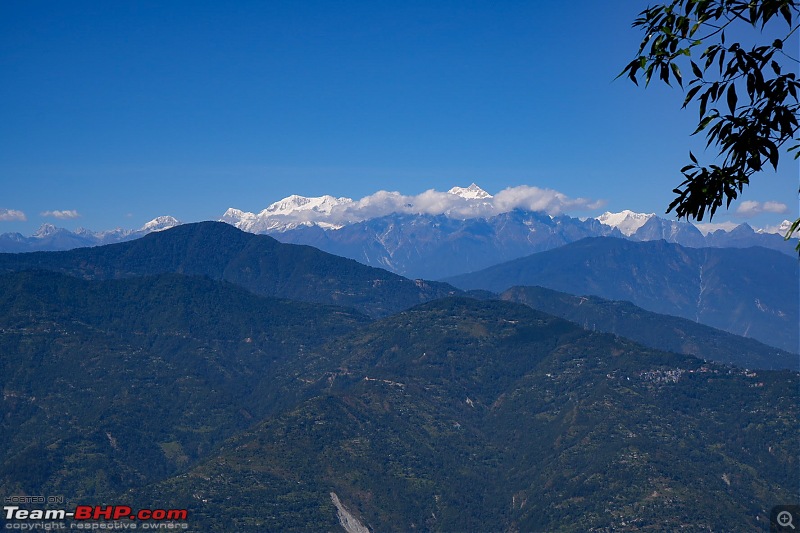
{"type": "Point", "coordinates": [66, 214]}
{"type": "Point", "coordinates": [750, 208]}
{"type": "Point", "coordinates": [471, 202]}
{"type": "Point", "coordinates": [432, 202]}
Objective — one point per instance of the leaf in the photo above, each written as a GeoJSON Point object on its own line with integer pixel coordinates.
{"type": "Point", "coordinates": [787, 14]}
{"type": "Point", "coordinates": [703, 103]}
{"type": "Point", "coordinates": [696, 70]}
{"type": "Point", "coordinates": [773, 155]}
{"type": "Point", "coordinates": [677, 73]}
{"type": "Point", "coordinates": [690, 94]}
{"type": "Point", "coordinates": [791, 231]}
{"type": "Point", "coordinates": [664, 73]}
{"type": "Point", "coordinates": [732, 98]}
{"type": "Point", "coordinates": [703, 124]}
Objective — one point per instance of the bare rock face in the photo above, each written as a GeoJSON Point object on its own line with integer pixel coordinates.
{"type": "Point", "coordinates": [349, 522]}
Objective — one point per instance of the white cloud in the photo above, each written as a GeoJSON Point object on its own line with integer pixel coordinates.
{"type": "Point", "coordinates": [775, 207]}
{"type": "Point", "coordinates": [430, 202]}
{"type": "Point", "coordinates": [536, 199]}
{"type": "Point", "coordinates": [750, 208]}
{"type": "Point", "coordinates": [12, 214]}
{"type": "Point", "coordinates": [433, 202]}
{"type": "Point", "coordinates": [61, 214]}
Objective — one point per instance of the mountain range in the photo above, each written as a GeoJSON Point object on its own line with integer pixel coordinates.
{"type": "Point", "coordinates": [433, 235]}
{"type": "Point", "coordinates": [465, 232]}
{"type": "Point", "coordinates": [750, 292]}
{"type": "Point", "coordinates": [654, 330]}
{"type": "Point", "coordinates": [49, 237]}
{"type": "Point", "coordinates": [257, 263]}
{"type": "Point", "coordinates": [438, 246]}
{"type": "Point", "coordinates": [182, 370]}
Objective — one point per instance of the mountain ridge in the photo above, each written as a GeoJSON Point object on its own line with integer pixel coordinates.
{"type": "Point", "coordinates": [445, 225]}
{"type": "Point", "coordinates": [461, 230]}
{"type": "Point", "coordinates": [258, 263]}
{"type": "Point", "coordinates": [51, 238]}
{"type": "Point", "coordinates": [749, 292]}
{"type": "Point", "coordinates": [657, 331]}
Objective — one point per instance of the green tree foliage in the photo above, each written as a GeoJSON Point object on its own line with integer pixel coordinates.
{"type": "Point", "coordinates": [747, 97]}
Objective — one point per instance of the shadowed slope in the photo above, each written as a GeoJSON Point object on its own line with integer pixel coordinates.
{"type": "Point", "coordinates": [256, 262]}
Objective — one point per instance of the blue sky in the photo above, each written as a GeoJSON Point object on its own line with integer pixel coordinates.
{"type": "Point", "coordinates": [122, 111]}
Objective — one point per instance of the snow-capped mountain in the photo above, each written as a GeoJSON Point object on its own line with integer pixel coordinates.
{"type": "Point", "coordinates": [294, 203]}
{"type": "Point", "coordinates": [433, 234]}
{"type": "Point", "coordinates": [329, 212]}
{"type": "Point", "coordinates": [160, 224]}
{"type": "Point", "coordinates": [473, 192]}
{"type": "Point", "coordinates": [47, 230]}
{"type": "Point", "coordinates": [438, 234]}
{"type": "Point", "coordinates": [51, 238]}
{"type": "Point", "coordinates": [625, 221]}
{"type": "Point", "coordinates": [649, 227]}
{"type": "Point", "coordinates": [286, 214]}
{"type": "Point", "coordinates": [780, 229]}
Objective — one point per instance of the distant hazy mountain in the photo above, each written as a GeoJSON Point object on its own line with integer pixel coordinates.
{"type": "Point", "coordinates": [258, 263]}
{"type": "Point", "coordinates": [749, 292]}
{"type": "Point", "coordinates": [50, 238]}
{"type": "Point", "coordinates": [434, 234]}
{"type": "Point", "coordinates": [663, 332]}
{"type": "Point", "coordinates": [468, 230]}
{"type": "Point", "coordinates": [438, 246]}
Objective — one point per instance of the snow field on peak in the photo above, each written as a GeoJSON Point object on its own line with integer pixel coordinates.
{"type": "Point", "coordinates": [625, 221]}
{"type": "Point", "coordinates": [462, 203]}
{"type": "Point", "coordinates": [473, 192]}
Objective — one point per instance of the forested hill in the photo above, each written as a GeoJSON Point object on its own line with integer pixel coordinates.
{"type": "Point", "coordinates": [256, 262]}
{"type": "Point", "coordinates": [111, 384]}
{"type": "Point", "coordinates": [462, 415]}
